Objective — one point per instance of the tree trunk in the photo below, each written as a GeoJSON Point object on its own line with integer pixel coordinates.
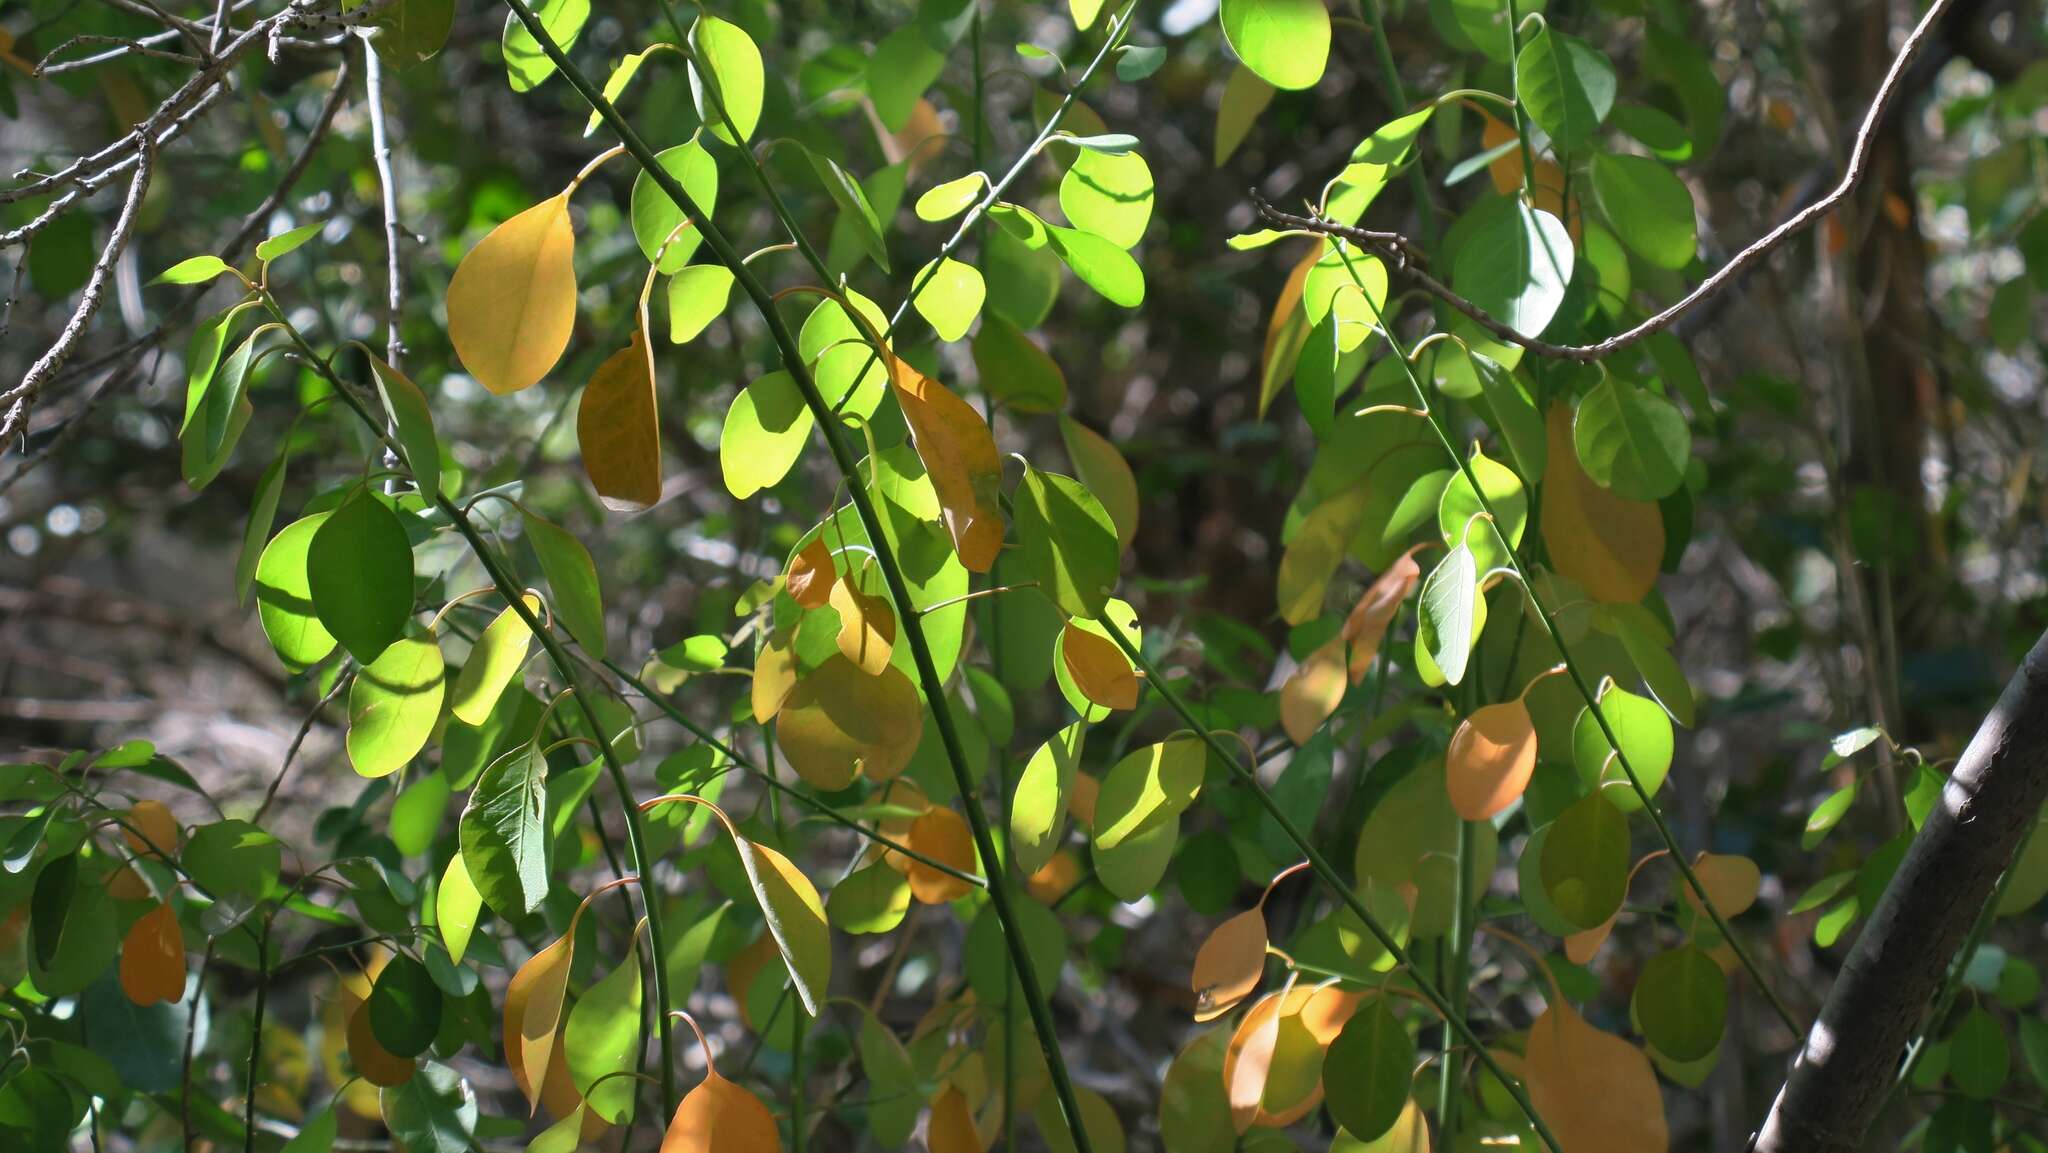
{"type": "Point", "coordinates": [1893, 970]}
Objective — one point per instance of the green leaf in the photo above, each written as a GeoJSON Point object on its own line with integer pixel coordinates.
{"type": "Point", "coordinates": [1103, 469]}
{"type": "Point", "coordinates": [1979, 1057]}
{"type": "Point", "coordinates": [233, 859]}
{"type": "Point", "coordinates": [1681, 1003]}
{"type": "Point", "coordinates": [393, 705]}
{"type": "Point", "coordinates": [1015, 370]}
{"type": "Point", "coordinates": [1107, 143]}
{"type": "Point", "coordinates": [1038, 808]}
{"type": "Point", "coordinates": [1513, 412]}
{"type": "Point", "coordinates": [697, 295]}
{"type": "Point", "coordinates": [215, 419]}
{"type": "Point", "coordinates": [1631, 441]}
{"type": "Point", "coordinates": [405, 1007]}
{"type": "Point", "coordinates": [603, 1038]}
{"type": "Point", "coordinates": [765, 432]}
{"type": "Point", "coordinates": [1585, 861]}
{"type": "Point", "coordinates": [50, 906]}
{"type": "Point", "coordinates": [1287, 42]}
{"type": "Point", "coordinates": [503, 833]}
{"type": "Point", "coordinates": [1649, 648]}
{"type": "Point", "coordinates": [525, 64]}
{"type": "Point", "coordinates": [359, 569]}
{"type": "Point", "coordinates": [1447, 611]}
{"type": "Point", "coordinates": [1148, 787]}
{"type": "Point", "coordinates": [1650, 207]}
{"type": "Point", "coordinates": [795, 917]}
{"type": "Point", "coordinates": [945, 201]}
{"type": "Point", "coordinates": [1023, 280]}
{"type": "Point", "coordinates": [433, 1112]}
{"type": "Point", "coordinates": [1515, 264]}
{"type": "Point", "coordinates": [1827, 815]}
{"type": "Point", "coordinates": [284, 598]}
{"type": "Point", "coordinates": [1655, 130]}
{"type": "Point", "coordinates": [1458, 512]}
{"type": "Point", "coordinates": [903, 66]}
{"type": "Point", "coordinates": [853, 204]}
{"type": "Point", "coordinates": [896, 1101]}
{"type": "Point", "coordinates": [262, 514]}
{"type": "Point", "coordinates": [456, 904]}
{"type": "Point", "coordinates": [413, 31]}
{"type": "Point", "coordinates": [734, 64]}
{"type": "Point", "coordinates": [1100, 264]}
{"type": "Point", "coordinates": [193, 270]}
{"type": "Point", "coordinates": [1567, 85]}
{"type": "Point", "coordinates": [416, 814]}
{"type": "Point", "coordinates": [572, 576]}
{"type": "Point", "coordinates": [656, 218]}
{"type": "Point", "coordinates": [285, 242]}
{"type": "Point", "coordinates": [406, 405]}
{"type": "Point", "coordinates": [1109, 195]}
{"type": "Point", "coordinates": [496, 658]}
{"type": "Point", "coordinates": [1367, 1071]}
{"type": "Point", "coordinates": [317, 1134]}
{"type": "Point", "coordinates": [951, 297]}
{"type": "Point", "coordinates": [1068, 541]}
{"type": "Point", "coordinates": [1643, 729]}
{"type": "Point", "coordinates": [1132, 869]}
{"type": "Point", "coordinates": [1135, 62]}
{"type": "Point", "coordinates": [872, 899]}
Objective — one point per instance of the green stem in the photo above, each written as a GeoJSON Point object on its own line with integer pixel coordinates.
{"type": "Point", "coordinates": [1571, 665]}
{"type": "Point", "coordinates": [892, 574]}
{"type": "Point", "coordinates": [1335, 882]}
{"type": "Point", "coordinates": [1383, 49]}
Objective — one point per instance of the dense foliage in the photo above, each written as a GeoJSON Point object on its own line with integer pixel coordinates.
{"type": "Point", "coordinates": [838, 584]}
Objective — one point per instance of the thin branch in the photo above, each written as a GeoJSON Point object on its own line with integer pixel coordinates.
{"type": "Point", "coordinates": [1391, 247]}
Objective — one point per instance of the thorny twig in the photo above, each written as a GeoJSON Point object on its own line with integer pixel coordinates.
{"type": "Point", "coordinates": [1399, 252]}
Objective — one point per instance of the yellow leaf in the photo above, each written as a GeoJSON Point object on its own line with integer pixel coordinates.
{"type": "Point", "coordinates": [1490, 760]}
{"type": "Point", "coordinates": [158, 829]}
{"type": "Point", "coordinates": [533, 1009]}
{"type": "Point", "coordinates": [1229, 964]}
{"type": "Point", "coordinates": [1611, 546]}
{"type": "Point", "coordinates": [153, 958]}
{"type": "Point", "coordinates": [1313, 691]}
{"type": "Point", "coordinates": [1597, 1092]}
{"type": "Point", "coordinates": [942, 835]}
{"type": "Point", "coordinates": [774, 676]}
{"type": "Point", "coordinates": [618, 428]}
{"type": "Point", "coordinates": [719, 1116]}
{"type": "Point", "coordinates": [456, 905]}
{"type": "Point", "coordinates": [1365, 629]}
{"type": "Point", "coordinates": [840, 722]}
{"type": "Point", "coordinates": [1099, 669]}
{"type": "Point", "coordinates": [513, 299]}
{"type": "Point", "coordinates": [811, 577]}
{"type": "Point", "coordinates": [951, 1128]}
{"type": "Point", "coordinates": [867, 628]}
{"type": "Point", "coordinates": [959, 455]}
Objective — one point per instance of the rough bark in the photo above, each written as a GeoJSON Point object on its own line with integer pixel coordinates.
{"type": "Point", "coordinates": [1851, 1055]}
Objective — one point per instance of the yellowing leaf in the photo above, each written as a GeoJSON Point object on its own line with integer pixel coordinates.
{"type": "Point", "coordinates": [1596, 1091]}
{"type": "Point", "coordinates": [1491, 758]}
{"type": "Point", "coordinates": [512, 301]}
{"type": "Point", "coordinates": [1365, 629]}
{"type": "Point", "coordinates": [1319, 545]}
{"type": "Point", "coordinates": [456, 905]}
{"type": "Point", "coordinates": [618, 428]}
{"type": "Point", "coordinates": [533, 1009]}
{"type": "Point", "coordinates": [840, 722]}
{"type": "Point", "coordinates": [153, 958]}
{"type": "Point", "coordinates": [1731, 882]}
{"type": "Point", "coordinates": [959, 455]}
{"type": "Point", "coordinates": [811, 577]}
{"type": "Point", "coordinates": [1313, 691]}
{"type": "Point", "coordinates": [375, 1063]}
{"type": "Point", "coordinates": [1229, 964]}
{"type": "Point", "coordinates": [721, 1117]}
{"type": "Point", "coordinates": [495, 659]}
{"type": "Point", "coordinates": [774, 677]}
{"type": "Point", "coordinates": [1099, 669]}
{"type": "Point", "coordinates": [1245, 95]}
{"type": "Point", "coordinates": [1611, 546]}
{"type": "Point", "coordinates": [942, 835]}
{"type": "Point", "coordinates": [157, 827]}
{"type": "Point", "coordinates": [1149, 787]}
{"type": "Point", "coordinates": [796, 918]}
{"type": "Point", "coordinates": [951, 1128]}
{"type": "Point", "coordinates": [867, 628]}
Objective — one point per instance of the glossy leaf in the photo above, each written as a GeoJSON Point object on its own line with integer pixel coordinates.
{"type": "Point", "coordinates": [765, 432]}
{"type": "Point", "coordinates": [496, 658]}
{"type": "Point", "coordinates": [726, 78]}
{"type": "Point", "coordinates": [284, 596]}
{"type": "Point", "coordinates": [512, 301]}
{"type": "Point", "coordinates": [1287, 42]}
{"type": "Point", "coordinates": [503, 832]}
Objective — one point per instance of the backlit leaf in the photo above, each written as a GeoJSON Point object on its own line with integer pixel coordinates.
{"type": "Point", "coordinates": [512, 301]}
{"type": "Point", "coordinates": [943, 835]}
{"type": "Point", "coordinates": [657, 219]}
{"type": "Point", "coordinates": [153, 958]}
{"type": "Point", "coordinates": [1068, 540]}
{"type": "Point", "coordinates": [951, 297]}
{"type": "Point", "coordinates": [1229, 964]}
{"type": "Point", "coordinates": [1038, 809]}
{"type": "Point", "coordinates": [1631, 441]}
{"type": "Point", "coordinates": [406, 407]}
{"type": "Point", "coordinates": [1098, 668]}
{"type": "Point", "coordinates": [1490, 761]}
{"type": "Point", "coordinates": [525, 64]}
{"type": "Point", "coordinates": [496, 658]}
{"type": "Point", "coordinates": [1567, 86]}
{"type": "Point", "coordinates": [731, 66]}
{"type": "Point", "coordinates": [602, 1037]}
{"type": "Point", "coordinates": [1611, 546]}
{"type": "Point", "coordinates": [840, 722]}
{"type": "Point", "coordinates": [572, 578]}
{"type": "Point", "coordinates": [795, 917]}
{"type": "Point", "coordinates": [618, 427]}
{"type": "Point", "coordinates": [1108, 195]}
{"type": "Point", "coordinates": [1651, 208]}
{"type": "Point", "coordinates": [456, 905]}
{"type": "Point", "coordinates": [533, 1008]}
{"type": "Point", "coordinates": [359, 573]}
{"type": "Point", "coordinates": [1147, 787]}
{"type": "Point", "coordinates": [697, 294]}
{"type": "Point", "coordinates": [1644, 732]}
{"type": "Point", "coordinates": [284, 596]}
{"type": "Point", "coordinates": [1287, 42]}
{"type": "Point", "coordinates": [1597, 1092]}
{"type": "Point", "coordinates": [765, 432]}
{"type": "Point", "coordinates": [394, 704]}
{"type": "Point", "coordinates": [960, 457]}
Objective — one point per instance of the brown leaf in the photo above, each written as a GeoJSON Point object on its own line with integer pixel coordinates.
{"type": "Point", "coordinates": [533, 1009]}
{"type": "Point", "coordinates": [1365, 628]}
{"type": "Point", "coordinates": [153, 958]}
{"type": "Point", "coordinates": [719, 1116]}
{"type": "Point", "coordinates": [811, 577]}
{"type": "Point", "coordinates": [1611, 546]}
{"type": "Point", "coordinates": [1229, 964]}
{"type": "Point", "coordinates": [618, 427]}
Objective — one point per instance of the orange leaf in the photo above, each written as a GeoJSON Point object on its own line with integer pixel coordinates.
{"type": "Point", "coordinates": [158, 827]}
{"type": "Point", "coordinates": [1490, 759]}
{"type": "Point", "coordinates": [1731, 882]}
{"type": "Point", "coordinates": [1313, 691]}
{"type": "Point", "coordinates": [1229, 964]}
{"type": "Point", "coordinates": [959, 455]}
{"type": "Point", "coordinates": [618, 428]}
{"type": "Point", "coordinates": [378, 1065]}
{"type": "Point", "coordinates": [942, 835]}
{"type": "Point", "coordinates": [1100, 669]}
{"type": "Point", "coordinates": [719, 1116]}
{"type": "Point", "coordinates": [533, 1008]}
{"type": "Point", "coordinates": [1611, 546]}
{"type": "Point", "coordinates": [1597, 1092]}
{"type": "Point", "coordinates": [1365, 628]}
{"type": "Point", "coordinates": [811, 576]}
{"type": "Point", "coordinates": [153, 958]}
{"type": "Point", "coordinates": [951, 1128]}
{"type": "Point", "coordinates": [1054, 878]}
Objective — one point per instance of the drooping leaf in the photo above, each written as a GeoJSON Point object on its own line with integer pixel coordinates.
{"type": "Point", "coordinates": [404, 1007]}
{"type": "Point", "coordinates": [456, 905]}
{"type": "Point", "coordinates": [153, 958]}
{"type": "Point", "coordinates": [618, 427]}
{"type": "Point", "coordinates": [1515, 264]}
{"type": "Point", "coordinates": [1597, 1092]}
{"type": "Point", "coordinates": [1038, 808]}
{"type": "Point", "coordinates": [795, 917]}
{"type": "Point", "coordinates": [1448, 597]}
{"type": "Point", "coordinates": [526, 66]}
{"type": "Point", "coordinates": [533, 1009]}
{"type": "Point", "coordinates": [960, 457]}
{"type": "Point", "coordinates": [512, 301]}
{"type": "Point", "coordinates": [359, 574]}
{"type": "Point", "coordinates": [1100, 264]}
{"type": "Point", "coordinates": [1611, 546]}
{"type": "Point", "coordinates": [867, 627]}
{"type": "Point", "coordinates": [1098, 669]}
{"type": "Point", "coordinates": [406, 407]}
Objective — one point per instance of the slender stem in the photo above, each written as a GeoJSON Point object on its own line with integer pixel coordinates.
{"type": "Point", "coordinates": [1383, 49]}
{"type": "Point", "coordinates": [796, 1082]}
{"type": "Point", "coordinates": [1331, 878]}
{"type": "Point", "coordinates": [256, 1037]}
{"type": "Point", "coordinates": [892, 574]}
{"type": "Point", "coordinates": [1571, 667]}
